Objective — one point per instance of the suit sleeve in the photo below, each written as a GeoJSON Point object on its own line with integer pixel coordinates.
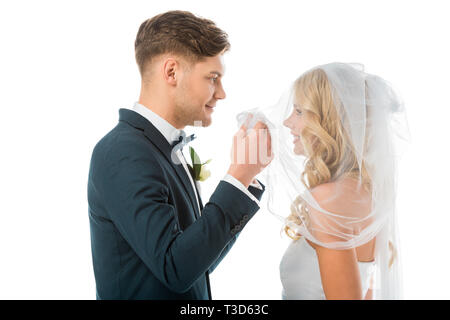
{"type": "Point", "coordinates": [136, 196]}
{"type": "Point", "coordinates": [257, 193]}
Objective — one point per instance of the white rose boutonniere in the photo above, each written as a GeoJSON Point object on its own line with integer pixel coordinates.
{"type": "Point", "coordinates": [200, 173]}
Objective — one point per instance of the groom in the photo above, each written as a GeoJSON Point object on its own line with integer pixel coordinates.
{"type": "Point", "coordinates": [151, 235]}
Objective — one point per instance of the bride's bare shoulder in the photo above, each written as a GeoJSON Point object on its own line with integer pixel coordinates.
{"type": "Point", "coordinates": [341, 197]}
{"type": "Point", "coordinates": [329, 195]}
{"type": "Point", "coordinates": [345, 199]}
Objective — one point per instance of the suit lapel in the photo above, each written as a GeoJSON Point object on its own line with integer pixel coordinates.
{"type": "Point", "coordinates": [195, 183]}
{"type": "Point", "coordinates": [158, 140]}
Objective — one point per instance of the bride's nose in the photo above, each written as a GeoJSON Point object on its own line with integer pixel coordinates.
{"type": "Point", "coordinates": [286, 122]}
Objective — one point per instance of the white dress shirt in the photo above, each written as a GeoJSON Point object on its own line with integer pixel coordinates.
{"type": "Point", "coordinates": [171, 134]}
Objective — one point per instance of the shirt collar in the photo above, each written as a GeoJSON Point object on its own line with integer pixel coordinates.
{"type": "Point", "coordinates": [167, 130]}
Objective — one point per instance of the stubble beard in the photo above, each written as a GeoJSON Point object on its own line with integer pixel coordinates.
{"type": "Point", "coordinates": [190, 115]}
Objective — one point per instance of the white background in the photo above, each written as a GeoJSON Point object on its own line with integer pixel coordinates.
{"type": "Point", "coordinates": [66, 67]}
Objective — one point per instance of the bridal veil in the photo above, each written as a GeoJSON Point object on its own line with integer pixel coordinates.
{"type": "Point", "coordinates": [360, 143]}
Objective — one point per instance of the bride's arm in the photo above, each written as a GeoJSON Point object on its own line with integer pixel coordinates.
{"type": "Point", "coordinates": [369, 295]}
{"type": "Point", "coordinates": [339, 273]}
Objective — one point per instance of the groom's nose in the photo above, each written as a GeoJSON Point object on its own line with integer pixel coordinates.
{"type": "Point", "coordinates": [219, 93]}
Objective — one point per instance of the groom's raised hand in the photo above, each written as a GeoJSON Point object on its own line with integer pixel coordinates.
{"type": "Point", "coordinates": [251, 152]}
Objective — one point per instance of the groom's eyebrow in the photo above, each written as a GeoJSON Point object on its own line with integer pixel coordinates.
{"type": "Point", "coordinates": [216, 72]}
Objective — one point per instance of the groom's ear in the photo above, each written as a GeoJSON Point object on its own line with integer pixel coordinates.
{"type": "Point", "coordinates": [171, 70]}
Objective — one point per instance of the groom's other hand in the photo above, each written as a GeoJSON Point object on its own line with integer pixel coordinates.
{"type": "Point", "coordinates": [251, 152]}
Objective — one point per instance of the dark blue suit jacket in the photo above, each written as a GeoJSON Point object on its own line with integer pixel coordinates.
{"type": "Point", "coordinates": [148, 238]}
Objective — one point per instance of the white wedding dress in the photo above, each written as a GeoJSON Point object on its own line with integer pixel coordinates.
{"type": "Point", "coordinates": [300, 274]}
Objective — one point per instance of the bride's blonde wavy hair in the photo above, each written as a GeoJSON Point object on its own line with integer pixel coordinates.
{"type": "Point", "coordinates": [330, 153]}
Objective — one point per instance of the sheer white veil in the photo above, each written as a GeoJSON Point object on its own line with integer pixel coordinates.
{"type": "Point", "coordinates": [373, 122]}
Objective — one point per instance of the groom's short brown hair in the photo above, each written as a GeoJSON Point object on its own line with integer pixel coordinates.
{"type": "Point", "coordinates": [178, 32]}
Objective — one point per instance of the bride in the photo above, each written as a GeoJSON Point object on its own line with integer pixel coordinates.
{"type": "Point", "coordinates": [332, 183]}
